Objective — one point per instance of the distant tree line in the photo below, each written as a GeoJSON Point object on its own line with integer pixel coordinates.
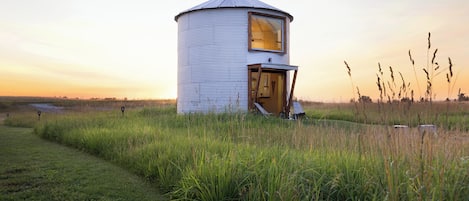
{"type": "Point", "coordinates": [462, 96]}
{"type": "Point", "coordinates": [367, 99]}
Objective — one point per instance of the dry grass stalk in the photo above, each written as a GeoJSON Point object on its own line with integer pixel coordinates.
{"type": "Point", "coordinates": [349, 72]}
{"type": "Point", "coordinates": [415, 73]}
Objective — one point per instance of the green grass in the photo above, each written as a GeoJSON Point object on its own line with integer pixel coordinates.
{"type": "Point", "coordinates": [448, 115]}
{"type": "Point", "coordinates": [248, 157]}
{"type": "Point", "coordinates": [34, 169]}
{"type": "Point", "coordinates": [339, 153]}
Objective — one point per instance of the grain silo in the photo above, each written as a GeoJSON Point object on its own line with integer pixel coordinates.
{"type": "Point", "coordinates": [233, 55]}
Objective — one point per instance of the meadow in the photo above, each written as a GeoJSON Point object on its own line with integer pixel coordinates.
{"type": "Point", "coordinates": [339, 152]}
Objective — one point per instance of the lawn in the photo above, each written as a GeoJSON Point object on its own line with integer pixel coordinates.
{"type": "Point", "coordinates": [36, 169]}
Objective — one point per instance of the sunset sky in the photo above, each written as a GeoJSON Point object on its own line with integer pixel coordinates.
{"type": "Point", "coordinates": [122, 48]}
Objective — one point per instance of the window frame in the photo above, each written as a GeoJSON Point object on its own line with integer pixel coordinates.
{"type": "Point", "coordinates": [284, 32]}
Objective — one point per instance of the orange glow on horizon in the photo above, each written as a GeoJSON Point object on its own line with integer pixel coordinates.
{"type": "Point", "coordinates": [77, 49]}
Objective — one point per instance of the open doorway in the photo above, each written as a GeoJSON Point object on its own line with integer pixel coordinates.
{"type": "Point", "coordinates": [268, 87]}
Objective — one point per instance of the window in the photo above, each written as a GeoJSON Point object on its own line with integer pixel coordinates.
{"type": "Point", "coordinates": [266, 32]}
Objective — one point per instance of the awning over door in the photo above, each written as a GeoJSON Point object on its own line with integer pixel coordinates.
{"type": "Point", "coordinates": [273, 66]}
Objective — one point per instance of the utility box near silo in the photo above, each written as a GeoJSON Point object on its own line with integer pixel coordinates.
{"type": "Point", "coordinates": [232, 54]}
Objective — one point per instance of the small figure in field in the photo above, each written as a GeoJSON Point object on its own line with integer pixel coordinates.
{"type": "Point", "coordinates": [123, 110]}
{"type": "Point", "coordinates": [39, 114]}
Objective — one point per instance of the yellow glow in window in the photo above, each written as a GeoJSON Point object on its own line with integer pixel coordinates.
{"type": "Point", "coordinates": [266, 33]}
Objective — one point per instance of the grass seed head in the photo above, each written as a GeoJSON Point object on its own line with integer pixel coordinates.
{"type": "Point", "coordinates": [349, 71]}
{"type": "Point", "coordinates": [429, 41]}
{"type": "Point", "coordinates": [434, 56]}
{"type": "Point", "coordinates": [392, 73]}
{"type": "Point", "coordinates": [450, 67]}
{"type": "Point", "coordinates": [411, 59]}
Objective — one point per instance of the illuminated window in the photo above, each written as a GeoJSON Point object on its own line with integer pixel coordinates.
{"type": "Point", "coordinates": [266, 32]}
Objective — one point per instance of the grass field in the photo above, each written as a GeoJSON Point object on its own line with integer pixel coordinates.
{"type": "Point", "coordinates": [35, 169]}
{"type": "Point", "coordinates": [341, 152]}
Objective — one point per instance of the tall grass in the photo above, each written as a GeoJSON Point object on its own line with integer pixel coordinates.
{"type": "Point", "coordinates": [246, 157]}
{"type": "Point", "coordinates": [398, 95]}
{"type": "Point", "coordinates": [424, 185]}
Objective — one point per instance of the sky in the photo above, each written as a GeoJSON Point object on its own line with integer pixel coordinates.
{"type": "Point", "coordinates": [128, 49]}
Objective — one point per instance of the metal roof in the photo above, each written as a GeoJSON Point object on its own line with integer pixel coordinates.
{"type": "Point", "coordinates": [214, 4]}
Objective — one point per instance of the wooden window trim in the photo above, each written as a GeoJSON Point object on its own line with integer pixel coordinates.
{"type": "Point", "coordinates": [284, 37]}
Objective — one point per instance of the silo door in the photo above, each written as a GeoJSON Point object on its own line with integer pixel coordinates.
{"type": "Point", "coordinates": [269, 90]}
{"type": "Point", "coordinates": [268, 87]}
